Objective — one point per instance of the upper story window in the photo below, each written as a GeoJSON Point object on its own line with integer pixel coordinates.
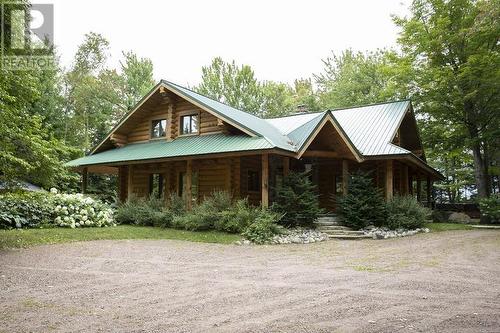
{"type": "Point", "coordinates": [189, 124]}
{"type": "Point", "coordinates": [158, 128]}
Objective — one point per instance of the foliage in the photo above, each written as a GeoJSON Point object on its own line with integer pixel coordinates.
{"type": "Point", "coordinates": [448, 154]}
{"type": "Point", "coordinates": [297, 199]}
{"type": "Point", "coordinates": [452, 47]}
{"type": "Point", "coordinates": [356, 78]}
{"type": "Point", "coordinates": [264, 227]}
{"type": "Point", "coordinates": [30, 237]}
{"type": "Point", "coordinates": [76, 210]}
{"type": "Point", "coordinates": [31, 210]}
{"type": "Point", "coordinates": [137, 76]}
{"type": "Point", "coordinates": [405, 212]}
{"type": "Point", "coordinates": [152, 211]}
{"type": "Point", "coordinates": [231, 84]}
{"type": "Point", "coordinates": [363, 205]}
{"type": "Point", "coordinates": [205, 215]}
{"type": "Point", "coordinates": [25, 210]}
{"type": "Point", "coordinates": [490, 208]}
{"type": "Point", "coordinates": [237, 86]}
{"type": "Point", "coordinates": [236, 218]}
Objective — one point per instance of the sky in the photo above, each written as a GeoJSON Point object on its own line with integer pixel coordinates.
{"type": "Point", "coordinates": [280, 40]}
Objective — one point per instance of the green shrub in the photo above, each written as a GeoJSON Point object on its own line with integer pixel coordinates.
{"type": "Point", "coordinates": [297, 199]}
{"type": "Point", "coordinates": [264, 227]}
{"type": "Point", "coordinates": [25, 210]}
{"type": "Point", "coordinates": [236, 218]}
{"type": "Point", "coordinates": [193, 221]}
{"type": "Point", "coordinates": [147, 212]}
{"type": "Point", "coordinates": [204, 215]}
{"type": "Point", "coordinates": [364, 204]}
{"type": "Point", "coordinates": [405, 212]}
{"type": "Point", "coordinates": [31, 210]}
{"type": "Point", "coordinates": [176, 204]}
{"type": "Point", "coordinates": [490, 208]}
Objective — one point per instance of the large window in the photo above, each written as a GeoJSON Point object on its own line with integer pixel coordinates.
{"type": "Point", "coordinates": [156, 185]}
{"type": "Point", "coordinates": [189, 124]}
{"type": "Point", "coordinates": [253, 181]}
{"type": "Point", "coordinates": [158, 128]}
{"type": "Point", "coordinates": [181, 187]}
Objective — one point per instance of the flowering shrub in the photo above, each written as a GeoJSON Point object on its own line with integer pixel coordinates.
{"type": "Point", "coordinates": [76, 210]}
{"type": "Point", "coordinates": [34, 210]}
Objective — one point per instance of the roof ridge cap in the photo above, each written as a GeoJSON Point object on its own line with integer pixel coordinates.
{"type": "Point", "coordinates": [371, 104]}
{"type": "Point", "coordinates": [215, 100]}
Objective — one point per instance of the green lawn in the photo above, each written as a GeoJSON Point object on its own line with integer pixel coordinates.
{"type": "Point", "coordinates": [30, 237]}
{"type": "Point", "coordinates": [447, 226]}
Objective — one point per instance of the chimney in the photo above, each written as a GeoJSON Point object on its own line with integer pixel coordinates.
{"type": "Point", "coordinates": [301, 109]}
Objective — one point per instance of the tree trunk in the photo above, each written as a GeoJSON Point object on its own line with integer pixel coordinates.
{"type": "Point", "coordinates": [480, 170]}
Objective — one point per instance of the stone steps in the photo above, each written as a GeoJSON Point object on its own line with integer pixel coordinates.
{"type": "Point", "coordinates": [352, 237]}
{"type": "Point", "coordinates": [330, 225]}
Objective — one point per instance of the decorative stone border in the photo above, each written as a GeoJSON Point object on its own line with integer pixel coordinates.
{"type": "Point", "coordinates": [384, 233]}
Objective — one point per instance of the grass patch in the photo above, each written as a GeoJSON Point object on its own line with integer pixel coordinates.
{"type": "Point", "coordinates": [29, 237]}
{"type": "Point", "coordinates": [436, 227]}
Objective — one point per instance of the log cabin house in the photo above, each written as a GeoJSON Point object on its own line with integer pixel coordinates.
{"type": "Point", "coordinates": [176, 140]}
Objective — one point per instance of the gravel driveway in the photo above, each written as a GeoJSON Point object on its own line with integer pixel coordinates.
{"type": "Point", "coordinates": [442, 282]}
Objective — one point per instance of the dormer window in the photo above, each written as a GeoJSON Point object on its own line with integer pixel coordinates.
{"type": "Point", "coordinates": [158, 128]}
{"type": "Point", "coordinates": [189, 124]}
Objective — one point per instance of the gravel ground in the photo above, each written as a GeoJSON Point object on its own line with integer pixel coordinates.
{"type": "Point", "coordinates": [441, 282]}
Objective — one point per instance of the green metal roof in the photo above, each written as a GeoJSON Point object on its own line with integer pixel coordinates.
{"type": "Point", "coordinates": [182, 146]}
{"type": "Point", "coordinates": [254, 124]}
{"type": "Point", "coordinates": [369, 129]}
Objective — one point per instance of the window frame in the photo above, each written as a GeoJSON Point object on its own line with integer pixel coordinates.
{"type": "Point", "coordinates": [161, 184]}
{"type": "Point", "coordinates": [181, 124]}
{"type": "Point", "coordinates": [151, 128]}
{"type": "Point", "coordinates": [249, 181]}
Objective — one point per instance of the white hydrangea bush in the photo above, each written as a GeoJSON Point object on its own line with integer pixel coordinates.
{"type": "Point", "coordinates": [77, 211]}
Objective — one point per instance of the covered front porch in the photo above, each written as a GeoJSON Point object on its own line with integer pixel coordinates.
{"type": "Point", "coordinates": [255, 176]}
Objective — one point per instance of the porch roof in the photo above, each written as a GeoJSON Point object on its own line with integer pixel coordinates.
{"type": "Point", "coordinates": [182, 146]}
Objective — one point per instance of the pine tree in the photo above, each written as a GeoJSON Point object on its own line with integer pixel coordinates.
{"type": "Point", "coordinates": [364, 204]}
{"type": "Point", "coordinates": [298, 200]}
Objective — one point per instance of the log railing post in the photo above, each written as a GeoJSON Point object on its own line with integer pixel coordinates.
{"type": "Point", "coordinates": [189, 182]}
{"type": "Point", "coordinates": [84, 180]}
{"type": "Point", "coordinates": [130, 186]}
{"type": "Point", "coordinates": [286, 166]}
{"type": "Point", "coordinates": [388, 181]}
{"type": "Point", "coordinates": [265, 181]}
{"type": "Point", "coordinates": [419, 189]}
{"type": "Point", "coordinates": [345, 176]}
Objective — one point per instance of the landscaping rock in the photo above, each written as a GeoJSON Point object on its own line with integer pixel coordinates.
{"type": "Point", "coordinates": [459, 218]}
{"type": "Point", "coordinates": [385, 233]}
{"type": "Point", "coordinates": [294, 236]}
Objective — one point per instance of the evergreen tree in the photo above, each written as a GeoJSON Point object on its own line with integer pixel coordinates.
{"type": "Point", "coordinates": [363, 205]}
{"type": "Point", "coordinates": [298, 200]}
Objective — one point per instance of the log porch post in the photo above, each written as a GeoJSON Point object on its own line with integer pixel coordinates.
{"type": "Point", "coordinates": [286, 166]}
{"type": "Point", "coordinates": [130, 187]}
{"type": "Point", "coordinates": [419, 189]}
{"type": "Point", "coordinates": [388, 180]}
{"type": "Point", "coordinates": [84, 180]}
{"type": "Point", "coordinates": [189, 182]}
{"type": "Point", "coordinates": [345, 176]}
{"type": "Point", "coordinates": [265, 181]}
{"type": "Point", "coordinates": [428, 190]}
